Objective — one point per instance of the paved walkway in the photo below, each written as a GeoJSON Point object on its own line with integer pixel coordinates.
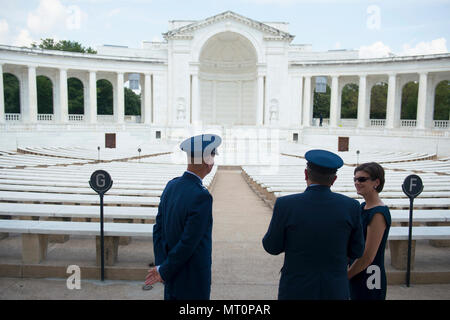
{"type": "Point", "coordinates": [241, 268]}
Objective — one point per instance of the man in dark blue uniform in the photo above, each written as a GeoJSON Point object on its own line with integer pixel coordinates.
{"type": "Point", "coordinates": [318, 230]}
{"type": "Point", "coordinates": [182, 235]}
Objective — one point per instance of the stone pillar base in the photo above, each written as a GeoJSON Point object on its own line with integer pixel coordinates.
{"type": "Point", "coordinates": [399, 253]}
{"type": "Point", "coordinates": [124, 240]}
{"type": "Point", "coordinates": [111, 250]}
{"type": "Point", "coordinates": [439, 243]}
{"type": "Point", "coordinates": [34, 247]}
{"type": "Point", "coordinates": [58, 238]}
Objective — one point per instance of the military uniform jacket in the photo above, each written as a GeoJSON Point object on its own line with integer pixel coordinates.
{"type": "Point", "coordinates": [318, 230]}
{"type": "Point", "coordinates": [182, 238]}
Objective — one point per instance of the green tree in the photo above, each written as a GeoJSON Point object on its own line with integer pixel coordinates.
{"type": "Point", "coordinates": [75, 96]}
{"type": "Point", "coordinates": [11, 93]}
{"type": "Point", "coordinates": [62, 45]}
{"type": "Point", "coordinates": [442, 101]}
{"type": "Point", "coordinates": [349, 101]}
{"type": "Point", "coordinates": [104, 97]}
{"type": "Point", "coordinates": [378, 101]}
{"type": "Point", "coordinates": [322, 103]}
{"type": "Point", "coordinates": [44, 95]}
{"type": "Point", "coordinates": [132, 103]}
{"type": "Point", "coordinates": [410, 94]}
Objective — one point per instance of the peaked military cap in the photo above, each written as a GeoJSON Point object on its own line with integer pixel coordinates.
{"type": "Point", "coordinates": [323, 161]}
{"type": "Point", "coordinates": [204, 144]}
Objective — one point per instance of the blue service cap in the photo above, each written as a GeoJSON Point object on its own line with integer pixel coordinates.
{"type": "Point", "coordinates": [325, 161]}
{"type": "Point", "coordinates": [204, 144]}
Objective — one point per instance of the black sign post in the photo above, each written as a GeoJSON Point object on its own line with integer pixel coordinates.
{"type": "Point", "coordinates": [412, 187]}
{"type": "Point", "coordinates": [101, 182]}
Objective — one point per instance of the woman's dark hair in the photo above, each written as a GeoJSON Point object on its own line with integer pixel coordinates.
{"type": "Point", "coordinates": [375, 171]}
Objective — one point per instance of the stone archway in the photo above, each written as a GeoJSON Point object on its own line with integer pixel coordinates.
{"type": "Point", "coordinates": [228, 85]}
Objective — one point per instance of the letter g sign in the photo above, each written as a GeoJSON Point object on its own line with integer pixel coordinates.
{"type": "Point", "coordinates": [100, 181]}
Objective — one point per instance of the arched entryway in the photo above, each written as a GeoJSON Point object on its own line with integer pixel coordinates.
{"type": "Point", "coordinates": [228, 85]}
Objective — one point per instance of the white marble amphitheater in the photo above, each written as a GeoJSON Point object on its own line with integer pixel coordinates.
{"type": "Point", "coordinates": [228, 74]}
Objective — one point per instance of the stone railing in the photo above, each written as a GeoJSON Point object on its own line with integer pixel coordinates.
{"type": "Point", "coordinates": [13, 116]}
{"type": "Point", "coordinates": [316, 122]}
{"type": "Point", "coordinates": [408, 123]}
{"type": "Point", "coordinates": [133, 119]}
{"type": "Point", "coordinates": [76, 117]}
{"type": "Point", "coordinates": [441, 124]}
{"type": "Point", "coordinates": [349, 122]}
{"type": "Point", "coordinates": [45, 117]}
{"type": "Point", "coordinates": [377, 122]}
{"type": "Point", "coordinates": [105, 118]}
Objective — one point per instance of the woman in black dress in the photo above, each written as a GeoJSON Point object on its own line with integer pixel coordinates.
{"type": "Point", "coordinates": [367, 274]}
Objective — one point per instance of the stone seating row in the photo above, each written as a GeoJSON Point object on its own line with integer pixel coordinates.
{"type": "Point", "coordinates": [76, 212]}
{"type": "Point", "coordinates": [398, 242]}
{"type": "Point", "coordinates": [385, 194]}
{"type": "Point", "coordinates": [33, 161]}
{"type": "Point", "coordinates": [92, 153]}
{"type": "Point", "coordinates": [81, 174]}
{"type": "Point", "coordinates": [69, 184]}
{"type": "Point", "coordinates": [380, 157]}
{"type": "Point", "coordinates": [145, 213]}
{"type": "Point", "coordinates": [80, 190]}
{"type": "Point", "coordinates": [389, 187]}
{"type": "Point", "coordinates": [109, 200]}
{"type": "Point", "coordinates": [434, 166]}
{"type": "Point", "coordinates": [35, 235]}
{"type": "Point", "coordinates": [125, 170]}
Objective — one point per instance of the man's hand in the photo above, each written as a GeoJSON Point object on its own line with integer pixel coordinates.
{"type": "Point", "coordinates": [152, 277]}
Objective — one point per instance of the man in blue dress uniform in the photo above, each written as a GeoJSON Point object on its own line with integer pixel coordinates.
{"type": "Point", "coordinates": [182, 238]}
{"type": "Point", "coordinates": [318, 230]}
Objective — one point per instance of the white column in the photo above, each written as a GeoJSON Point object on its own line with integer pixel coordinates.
{"type": "Point", "coordinates": [92, 98]}
{"type": "Point", "coordinates": [2, 97]}
{"type": "Point", "coordinates": [195, 100]}
{"type": "Point", "coordinates": [363, 114]}
{"type": "Point", "coordinates": [62, 108]}
{"type": "Point", "coordinates": [334, 101]}
{"type": "Point", "coordinates": [260, 101]}
{"type": "Point", "coordinates": [239, 84]}
{"type": "Point", "coordinates": [147, 114]}
{"type": "Point", "coordinates": [119, 112]}
{"type": "Point", "coordinates": [214, 102]}
{"type": "Point", "coordinates": [300, 100]}
{"type": "Point", "coordinates": [30, 110]}
{"type": "Point", "coordinates": [307, 103]}
{"type": "Point", "coordinates": [422, 101]}
{"type": "Point", "coordinates": [392, 105]}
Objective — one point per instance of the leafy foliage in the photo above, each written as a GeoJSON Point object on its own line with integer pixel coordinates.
{"type": "Point", "coordinates": [409, 100]}
{"type": "Point", "coordinates": [322, 103]}
{"type": "Point", "coordinates": [104, 97]}
{"type": "Point", "coordinates": [62, 45]}
{"type": "Point", "coordinates": [349, 101]}
{"type": "Point", "coordinates": [12, 93]}
{"type": "Point", "coordinates": [442, 101]}
{"type": "Point", "coordinates": [75, 96]}
{"type": "Point", "coordinates": [378, 101]}
{"type": "Point", "coordinates": [44, 95]}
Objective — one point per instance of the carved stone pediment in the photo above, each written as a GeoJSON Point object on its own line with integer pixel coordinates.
{"type": "Point", "coordinates": [187, 31]}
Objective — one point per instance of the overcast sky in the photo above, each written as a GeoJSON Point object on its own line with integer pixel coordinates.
{"type": "Point", "coordinates": [403, 27]}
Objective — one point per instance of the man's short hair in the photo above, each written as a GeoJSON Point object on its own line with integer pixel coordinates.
{"type": "Point", "coordinates": [321, 175]}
